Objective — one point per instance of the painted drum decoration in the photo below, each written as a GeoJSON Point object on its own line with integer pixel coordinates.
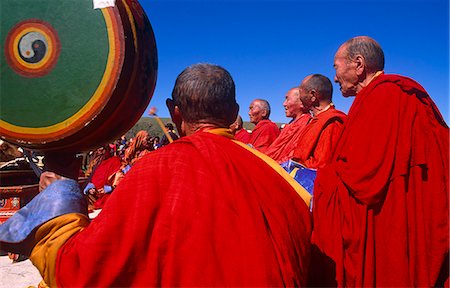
{"type": "Point", "coordinates": [73, 77]}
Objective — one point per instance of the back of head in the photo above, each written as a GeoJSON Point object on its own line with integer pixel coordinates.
{"type": "Point", "coordinates": [205, 93]}
{"type": "Point", "coordinates": [321, 84]}
{"type": "Point", "coordinates": [369, 49]}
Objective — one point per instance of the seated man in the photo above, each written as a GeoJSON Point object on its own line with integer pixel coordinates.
{"type": "Point", "coordinates": [204, 211]}
{"type": "Point", "coordinates": [282, 149]}
{"type": "Point", "coordinates": [319, 138]}
{"type": "Point", "coordinates": [265, 131]}
{"type": "Point", "coordinates": [102, 169]}
{"type": "Point", "coordinates": [240, 133]}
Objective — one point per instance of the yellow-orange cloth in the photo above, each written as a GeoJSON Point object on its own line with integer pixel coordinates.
{"type": "Point", "coordinates": [50, 237]}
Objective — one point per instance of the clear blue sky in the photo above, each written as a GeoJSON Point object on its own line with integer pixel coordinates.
{"type": "Point", "coordinates": [270, 46]}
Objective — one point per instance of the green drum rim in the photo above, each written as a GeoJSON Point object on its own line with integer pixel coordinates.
{"type": "Point", "coordinates": [63, 91]}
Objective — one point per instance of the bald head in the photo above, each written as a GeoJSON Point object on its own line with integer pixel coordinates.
{"type": "Point", "coordinates": [316, 90]}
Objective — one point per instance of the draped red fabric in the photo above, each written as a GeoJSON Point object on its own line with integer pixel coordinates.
{"type": "Point", "coordinates": [242, 135]}
{"type": "Point", "coordinates": [283, 147]}
{"type": "Point", "coordinates": [103, 175]}
{"type": "Point", "coordinates": [264, 133]}
{"type": "Point", "coordinates": [202, 211]}
{"type": "Point", "coordinates": [104, 170]}
{"type": "Point", "coordinates": [381, 209]}
{"type": "Point", "coordinates": [319, 138]}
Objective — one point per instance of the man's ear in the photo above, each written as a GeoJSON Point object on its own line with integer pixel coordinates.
{"type": "Point", "coordinates": [360, 63]}
{"type": "Point", "coordinates": [171, 106]}
{"type": "Point", "coordinates": [175, 113]}
{"type": "Point", "coordinates": [313, 97]}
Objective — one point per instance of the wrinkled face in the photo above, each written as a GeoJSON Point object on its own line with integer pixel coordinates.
{"type": "Point", "coordinates": [256, 113]}
{"type": "Point", "coordinates": [346, 74]}
{"type": "Point", "coordinates": [293, 107]}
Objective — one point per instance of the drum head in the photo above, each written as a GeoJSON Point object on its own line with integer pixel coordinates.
{"type": "Point", "coordinates": [73, 77]}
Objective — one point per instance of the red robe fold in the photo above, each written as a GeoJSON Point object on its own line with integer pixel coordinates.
{"type": "Point", "coordinates": [381, 209]}
{"type": "Point", "coordinates": [202, 212]}
{"type": "Point", "coordinates": [319, 138]}
{"type": "Point", "coordinates": [283, 147]}
{"type": "Point", "coordinates": [103, 176]}
{"type": "Point", "coordinates": [264, 133]}
{"type": "Point", "coordinates": [242, 135]}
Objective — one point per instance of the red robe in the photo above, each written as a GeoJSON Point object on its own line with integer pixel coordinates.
{"type": "Point", "coordinates": [102, 176]}
{"type": "Point", "coordinates": [203, 212]}
{"type": "Point", "coordinates": [381, 208]}
{"type": "Point", "coordinates": [283, 147]}
{"type": "Point", "coordinates": [319, 138]}
{"type": "Point", "coordinates": [264, 133]}
{"type": "Point", "coordinates": [242, 135]}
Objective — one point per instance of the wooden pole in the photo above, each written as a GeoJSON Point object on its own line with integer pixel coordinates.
{"type": "Point", "coordinates": [152, 112]}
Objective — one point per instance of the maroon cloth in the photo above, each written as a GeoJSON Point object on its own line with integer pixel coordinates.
{"type": "Point", "coordinates": [202, 212]}
{"type": "Point", "coordinates": [242, 135]}
{"type": "Point", "coordinates": [319, 138]}
{"type": "Point", "coordinates": [264, 133]}
{"type": "Point", "coordinates": [282, 149]}
{"type": "Point", "coordinates": [381, 208]}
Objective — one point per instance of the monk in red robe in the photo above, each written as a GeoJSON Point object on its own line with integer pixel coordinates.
{"type": "Point", "coordinates": [265, 131]}
{"type": "Point", "coordinates": [381, 209]}
{"type": "Point", "coordinates": [240, 133]}
{"type": "Point", "coordinates": [102, 170]}
{"type": "Point", "coordinates": [204, 211]}
{"type": "Point", "coordinates": [318, 139]}
{"type": "Point", "coordinates": [282, 149]}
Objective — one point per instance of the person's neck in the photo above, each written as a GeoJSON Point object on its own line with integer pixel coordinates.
{"type": "Point", "coordinates": [321, 108]}
{"type": "Point", "coordinates": [370, 77]}
{"type": "Point", "coordinates": [191, 128]}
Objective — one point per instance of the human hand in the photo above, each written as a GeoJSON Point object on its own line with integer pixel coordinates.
{"type": "Point", "coordinates": [47, 178]}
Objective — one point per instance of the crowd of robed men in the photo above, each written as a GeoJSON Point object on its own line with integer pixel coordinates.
{"type": "Point", "coordinates": [210, 210]}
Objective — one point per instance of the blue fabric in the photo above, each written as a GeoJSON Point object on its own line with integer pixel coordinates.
{"type": "Point", "coordinates": [304, 176]}
{"type": "Point", "coordinates": [126, 169]}
{"type": "Point", "coordinates": [107, 189]}
{"type": "Point", "coordinates": [59, 198]}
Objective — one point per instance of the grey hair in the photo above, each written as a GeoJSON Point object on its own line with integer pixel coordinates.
{"type": "Point", "coordinates": [368, 48]}
{"type": "Point", "coordinates": [264, 104]}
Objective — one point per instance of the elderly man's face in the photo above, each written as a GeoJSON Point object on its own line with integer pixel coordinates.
{"type": "Point", "coordinates": [346, 74]}
{"type": "Point", "coordinates": [256, 113]}
{"type": "Point", "coordinates": [293, 107]}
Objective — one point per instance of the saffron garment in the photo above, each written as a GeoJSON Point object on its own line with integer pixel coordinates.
{"type": "Point", "coordinates": [319, 138]}
{"type": "Point", "coordinates": [381, 207]}
{"type": "Point", "coordinates": [282, 149]}
{"type": "Point", "coordinates": [242, 135]}
{"type": "Point", "coordinates": [203, 211]}
{"type": "Point", "coordinates": [264, 133]}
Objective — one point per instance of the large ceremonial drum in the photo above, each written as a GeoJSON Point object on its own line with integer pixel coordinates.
{"type": "Point", "coordinates": [73, 76]}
